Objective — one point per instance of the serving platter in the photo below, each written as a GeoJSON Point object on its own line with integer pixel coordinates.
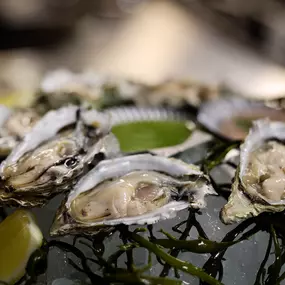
{"type": "Point", "coordinates": [194, 247]}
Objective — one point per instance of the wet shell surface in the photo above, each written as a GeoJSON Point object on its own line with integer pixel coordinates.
{"type": "Point", "coordinates": [14, 124]}
{"type": "Point", "coordinates": [137, 116]}
{"type": "Point", "coordinates": [136, 189]}
{"type": "Point", "coordinates": [63, 86]}
{"type": "Point", "coordinates": [259, 184]}
{"type": "Point", "coordinates": [54, 154]}
{"type": "Point", "coordinates": [177, 93]}
{"type": "Point", "coordinates": [232, 118]}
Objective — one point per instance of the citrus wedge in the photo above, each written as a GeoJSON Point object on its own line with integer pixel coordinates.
{"type": "Point", "coordinates": [19, 238]}
{"type": "Point", "coordinates": [139, 136]}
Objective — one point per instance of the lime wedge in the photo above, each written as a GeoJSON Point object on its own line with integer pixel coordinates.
{"type": "Point", "coordinates": [147, 135]}
{"type": "Point", "coordinates": [19, 238]}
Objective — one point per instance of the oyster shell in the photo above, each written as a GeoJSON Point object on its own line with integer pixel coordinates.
{"type": "Point", "coordinates": [123, 115]}
{"type": "Point", "coordinates": [55, 153]}
{"type": "Point", "coordinates": [259, 184]}
{"type": "Point", "coordinates": [177, 93]}
{"type": "Point", "coordinates": [232, 118]}
{"type": "Point", "coordinates": [136, 189]}
{"type": "Point", "coordinates": [14, 124]}
{"type": "Point", "coordinates": [62, 86]}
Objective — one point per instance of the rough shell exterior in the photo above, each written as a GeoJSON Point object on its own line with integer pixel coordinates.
{"type": "Point", "coordinates": [242, 204]}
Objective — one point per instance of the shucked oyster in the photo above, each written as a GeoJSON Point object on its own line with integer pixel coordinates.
{"type": "Point", "coordinates": [14, 124]}
{"type": "Point", "coordinates": [62, 86]}
{"type": "Point", "coordinates": [53, 154]}
{"type": "Point", "coordinates": [177, 93]}
{"type": "Point", "coordinates": [232, 117]}
{"type": "Point", "coordinates": [259, 184]}
{"type": "Point", "coordinates": [129, 190]}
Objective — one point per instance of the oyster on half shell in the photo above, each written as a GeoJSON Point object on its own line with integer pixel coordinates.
{"type": "Point", "coordinates": [14, 124]}
{"type": "Point", "coordinates": [63, 86]}
{"type": "Point", "coordinates": [55, 153]}
{"type": "Point", "coordinates": [259, 184]}
{"type": "Point", "coordinates": [232, 117]}
{"type": "Point", "coordinates": [136, 189]}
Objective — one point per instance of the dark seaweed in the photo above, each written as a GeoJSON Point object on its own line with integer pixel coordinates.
{"type": "Point", "coordinates": [3, 214]}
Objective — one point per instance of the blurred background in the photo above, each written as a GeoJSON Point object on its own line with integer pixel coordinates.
{"type": "Point", "coordinates": [240, 44]}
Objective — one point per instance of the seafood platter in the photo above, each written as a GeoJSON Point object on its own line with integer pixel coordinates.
{"type": "Point", "coordinates": [110, 181]}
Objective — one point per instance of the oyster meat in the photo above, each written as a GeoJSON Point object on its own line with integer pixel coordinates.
{"type": "Point", "coordinates": [259, 184]}
{"type": "Point", "coordinates": [56, 152]}
{"type": "Point", "coordinates": [14, 124]}
{"type": "Point", "coordinates": [136, 189]}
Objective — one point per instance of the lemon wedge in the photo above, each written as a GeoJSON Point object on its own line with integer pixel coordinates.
{"type": "Point", "coordinates": [19, 238]}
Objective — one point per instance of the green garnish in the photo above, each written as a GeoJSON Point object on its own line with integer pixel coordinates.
{"type": "Point", "coordinates": [184, 266]}
{"type": "Point", "coordinates": [216, 155]}
{"type": "Point", "coordinates": [262, 269]}
{"type": "Point", "coordinates": [199, 245]}
{"type": "Point", "coordinates": [275, 268]}
{"type": "Point", "coordinates": [139, 136]}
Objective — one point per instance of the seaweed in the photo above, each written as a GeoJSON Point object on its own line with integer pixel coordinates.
{"type": "Point", "coordinates": [217, 153]}
{"type": "Point", "coordinates": [174, 252]}
{"type": "Point", "coordinates": [3, 213]}
{"type": "Point", "coordinates": [210, 273]}
{"type": "Point", "coordinates": [200, 245]}
{"type": "Point", "coordinates": [174, 262]}
{"type": "Point", "coordinates": [261, 271]}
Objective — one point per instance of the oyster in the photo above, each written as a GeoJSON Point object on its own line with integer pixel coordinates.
{"type": "Point", "coordinates": [259, 184]}
{"type": "Point", "coordinates": [177, 93]}
{"type": "Point", "coordinates": [136, 189]}
{"type": "Point", "coordinates": [62, 86]}
{"type": "Point", "coordinates": [14, 124]}
{"type": "Point", "coordinates": [232, 117]}
{"type": "Point", "coordinates": [55, 153]}
{"type": "Point", "coordinates": [161, 131]}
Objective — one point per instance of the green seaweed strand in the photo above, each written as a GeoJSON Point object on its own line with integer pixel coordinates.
{"type": "Point", "coordinates": [262, 270]}
{"type": "Point", "coordinates": [175, 252]}
{"type": "Point", "coordinates": [177, 263]}
{"type": "Point", "coordinates": [217, 154]}
{"type": "Point", "coordinates": [275, 268]}
{"type": "Point", "coordinates": [137, 276]}
{"type": "Point", "coordinates": [199, 245]}
{"type": "Point", "coordinates": [214, 264]}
